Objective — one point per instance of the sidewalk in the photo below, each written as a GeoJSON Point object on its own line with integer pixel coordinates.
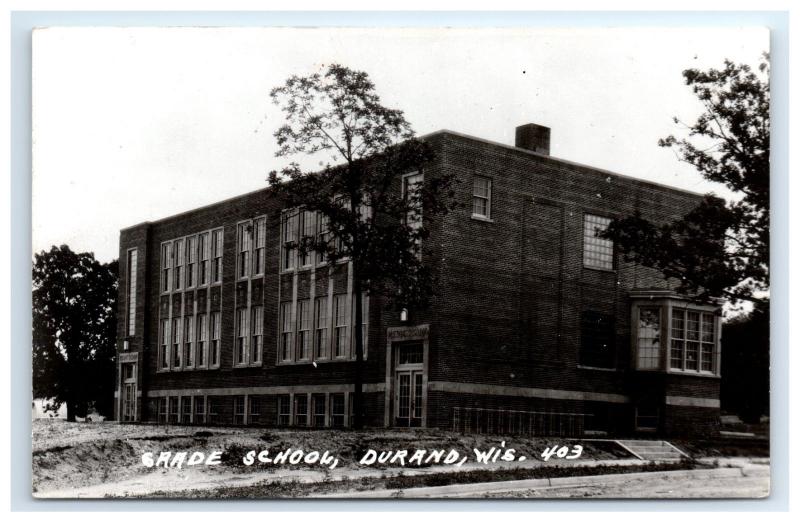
{"type": "Point", "coordinates": [729, 477]}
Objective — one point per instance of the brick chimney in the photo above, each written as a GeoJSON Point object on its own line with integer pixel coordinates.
{"type": "Point", "coordinates": [533, 137]}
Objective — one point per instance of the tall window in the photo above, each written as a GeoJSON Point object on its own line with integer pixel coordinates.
{"type": "Point", "coordinates": [166, 263]}
{"type": "Point", "coordinates": [243, 250]}
{"type": "Point", "coordinates": [176, 342]}
{"type": "Point", "coordinates": [179, 259]}
{"type": "Point", "coordinates": [260, 239]}
{"type": "Point", "coordinates": [215, 333]}
{"type": "Point", "coordinates": [364, 321]}
{"type": "Point", "coordinates": [188, 348]}
{"type": "Point", "coordinates": [287, 329]}
{"type": "Point", "coordinates": [304, 330]}
{"type": "Point", "coordinates": [204, 250]}
{"type": "Point", "coordinates": [411, 192]}
{"type": "Point", "coordinates": [321, 328]}
{"type": "Point", "coordinates": [649, 338]}
{"type": "Point", "coordinates": [318, 410]}
{"type": "Point", "coordinates": [191, 260]}
{"type": "Point", "coordinates": [597, 340]}
{"type": "Point", "coordinates": [241, 335]}
{"type": "Point", "coordinates": [340, 337]}
{"type": "Point", "coordinates": [289, 237]}
{"type": "Point", "coordinates": [216, 263]}
{"type": "Point", "coordinates": [322, 236]}
{"type": "Point", "coordinates": [202, 339]}
{"type": "Point", "coordinates": [164, 331]}
{"type": "Point", "coordinates": [598, 252]}
{"type": "Point", "coordinates": [307, 231]}
{"type": "Point", "coordinates": [692, 343]}
{"type": "Point", "coordinates": [482, 197]}
{"type": "Point", "coordinates": [132, 265]}
{"type": "Point", "coordinates": [257, 334]}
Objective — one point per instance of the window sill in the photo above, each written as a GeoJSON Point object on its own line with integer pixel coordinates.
{"type": "Point", "coordinates": [694, 373]}
{"type": "Point", "coordinates": [482, 219]}
{"type": "Point", "coordinates": [247, 365]}
{"type": "Point", "coordinates": [603, 369]}
{"type": "Point", "coordinates": [595, 268]}
{"type": "Point", "coordinates": [318, 361]}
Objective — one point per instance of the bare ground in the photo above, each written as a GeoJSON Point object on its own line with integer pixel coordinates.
{"type": "Point", "coordinates": [104, 460]}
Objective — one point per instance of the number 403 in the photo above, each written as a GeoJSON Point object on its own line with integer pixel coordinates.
{"type": "Point", "coordinates": [562, 452]}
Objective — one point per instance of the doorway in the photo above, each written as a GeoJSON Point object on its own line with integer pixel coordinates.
{"type": "Point", "coordinates": [409, 384]}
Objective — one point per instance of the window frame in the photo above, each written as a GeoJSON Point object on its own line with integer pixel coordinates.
{"type": "Point", "coordinates": [586, 242]}
{"type": "Point", "coordinates": [487, 198]}
{"type": "Point", "coordinates": [132, 265]}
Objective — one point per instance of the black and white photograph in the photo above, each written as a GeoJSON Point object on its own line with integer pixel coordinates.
{"type": "Point", "coordinates": [400, 263]}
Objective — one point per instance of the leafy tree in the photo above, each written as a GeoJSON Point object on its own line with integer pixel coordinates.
{"type": "Point", "coordinates": [721, 248]}
{"type": "Point", "coordinates": [744, 388]}
{"type": "Point", "coordinates": [357, 192]}
{"type": "Point", "coordinates": [74, 330]}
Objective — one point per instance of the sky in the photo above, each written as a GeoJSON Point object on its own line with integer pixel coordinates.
{"type": "Point", "coordinates": [136, 124]}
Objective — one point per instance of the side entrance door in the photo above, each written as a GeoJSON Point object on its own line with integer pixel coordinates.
{"type": "Point", "coordinates": [408, 385]}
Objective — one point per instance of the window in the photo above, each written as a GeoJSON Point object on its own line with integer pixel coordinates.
{"type": "Point", "coordinates": [215, 332]}
{"type": "Point", "coordinates": [199, 409]}
{"type": "Point", "coordinates": [191, 261]}
{"type": "Point", "coordinates": [411, 192]}
{"type": "Point", "coordinates": [253, 410]}
{"type": "Point", "coordinates": [409, 353]}
{"type": "Point", "coordinates": [318, 410]}
{"type": "Point", "coordinates": [176, 342]}
{"type": "Point", "coordinates": [188, 349]}
{"type": "Point", "coordinates": [164, 351]}
{"type": "Point", "coordinates": [482, 197]}
{"type": "Point", "coordinates": [186, 409]}
{"type": "Point", "coordinates": [129, 372]}
{"type": "Point", "coordinates": [166, 263]}
{"type": "Point", "coordinates": [132, 265]}
{"type": "Point", "coordinates": [213, 408]}
{"type": "Point", "coordinates": [597, 340]}
{"type": "Point", "coordinates": [179, 259]}
{"type": "Point", "coordinates": [257, 334]}
{"type": "Point", "coordinates": [260, 239]}
{"type": "Point", "coordinates": [598, 252]}
{"type": "Point", "coordinates": [243, 232]}
{"type": "Point", "coordinates": [204, 251]}
{"type": "Point", "coordinates": [238, 410]}
{"type": "Point", "coordinates": [649, 338]}
{"type": "Point", "coordinates": [301, 410]}
{"type": "Point", "coordinates": [307, 231]}
{"type": "Point", "coordinates": [321, 328]}
{"type": "Point", "coordinates": [304, 331]}
{"type": "Point", "coordinates": [337, 410]}
{"type": "Point", "coordinates": [241, 335]}
{"type": "Point", "coordinates": [162, 410]}
{"type": "Point", "coordinates": [173, 410]}
{"type": "Point", "coordinates": [216, 264]}
{"type": "Point", "coordinates": [692, 343]}
{"type": "Point", "coordinates": [340, 314]}
{"type": "Point", "coordinates": [287, 329]}
{"type": "Point", "coordinates": [364, 321]}
{"type": "Point", "coordinates": [284, 409]}
{"type": "Point", "coordinates": [322, 236]}
{"type": "Point", "coordinates": [202, 339]}
{"type": "Point", "coordinates": [289, 238]}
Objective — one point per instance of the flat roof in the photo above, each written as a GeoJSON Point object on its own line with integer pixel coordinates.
{"type": "Point", "coordinates": [444, 131]}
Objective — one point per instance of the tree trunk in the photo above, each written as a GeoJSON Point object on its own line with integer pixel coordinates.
{"type": "Point", "coordinates": [358, 421]}
{"type": "Point", "coordinates": [71, 410]}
